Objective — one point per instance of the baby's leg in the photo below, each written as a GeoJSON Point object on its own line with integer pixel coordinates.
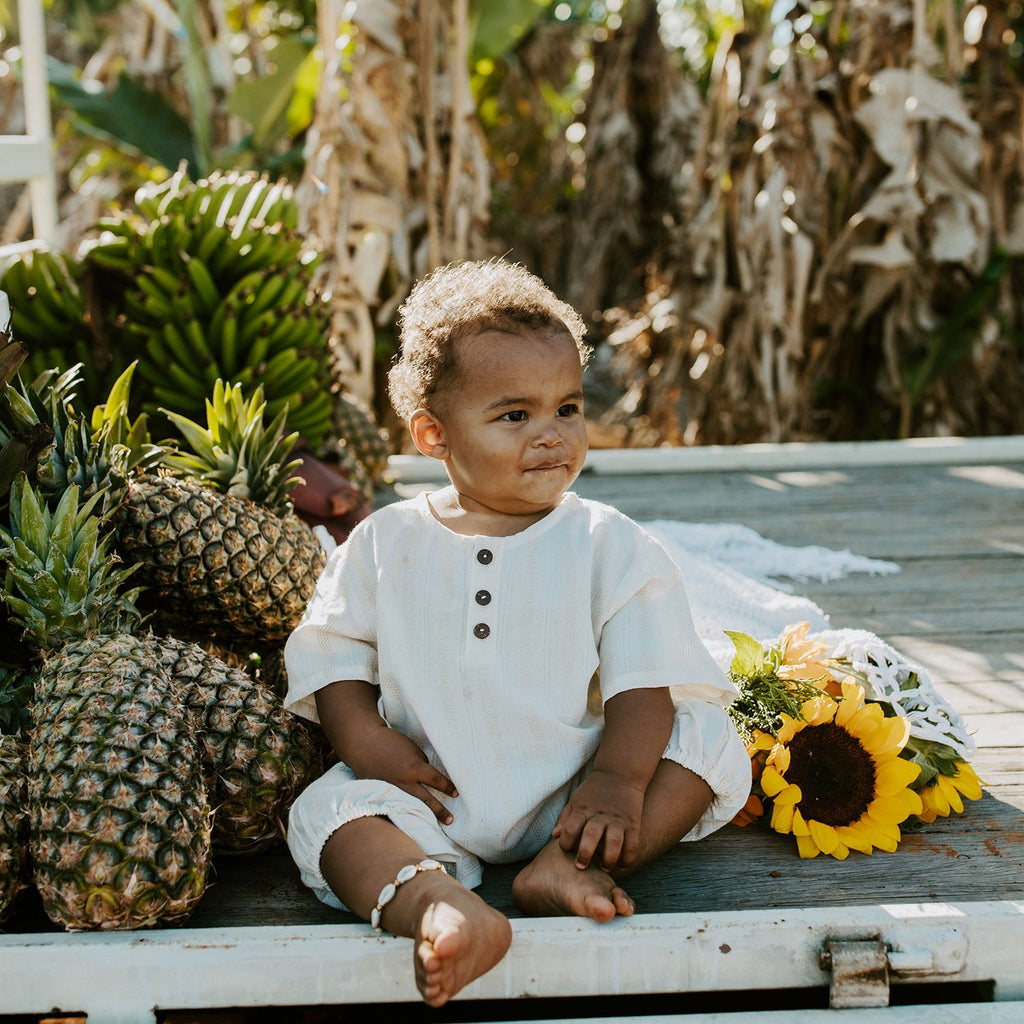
{"type": "Point", "coordinates": [552, 884]}
{"type": "Point", "coordinates": [457, 936]}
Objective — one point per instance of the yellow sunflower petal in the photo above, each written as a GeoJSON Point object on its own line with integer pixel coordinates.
{"type": "Point", "coordinates": [934, 801]}
{"type": "Point", "coordinates": [823, 835]}
{"type": "Point", "coordinates": [949, 791]}
{"type": "Point", "coordinates": [790, 795]}
{"type": "Point", "coordinates": [967, 781]}
{"type": "Point", "coordinates": [818, 710]}
{"type": "Point", "coordinates": [762, 740]}
{"type": "Point", "coordinates": [779, 757]}
{"type": "Point", "coordinates": [782, 818]}
{"type": "Point", "coordinates": [865, 722]}
{"type": "Point", "coordinates": [799, 825]}
{"type": "Point", "coordinates": [854, 837]}
{"type": "Point", "coordinates": [890, 737]}
{"type": "Point", "coordinates": [879, 835]}
{"type": "Point", "coordinates": [771, 781]}
{"type": "Point", "coordinates": [853, 699]}
{"type": "Point", "coordinates": [893, 775]}
{"type": "Point", "coordinates": [789, 728]}
{"type": "Point", "coordinates": [927, 816]}
{"type": "Point", "coordinates": [807, 847]}
{"type": "Point", "coordinates": [841, 852]}
{"type": "Point", "coordinates": [891, 810]}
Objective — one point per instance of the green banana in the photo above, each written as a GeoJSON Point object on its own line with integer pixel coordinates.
{"type": "Point", "coordinates": [265, 298]}
{"type": "Point", "coordinates": [297, 377]}
{"type": "Point", "coordinates": [172, 399]}
{"type": "Point", "coordinates": [213, 237]}
{"type": "Point", "coordinates": [203, 283]}
{"type": "Point", "coordinates": [228, 339]}
{"type": "Point", "coordinates": [252, 196]}
{"type": "Point", "coordinates": [274, 194]}
{"type": "Point", "coordinates": [176, 342]}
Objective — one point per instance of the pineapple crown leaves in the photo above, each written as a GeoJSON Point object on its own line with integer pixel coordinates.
{"type": "Point", "coordinates": [112, 429]}
{"type": "Point", "coordinates": [235, 453]}
{"type": "Point", "coordinates": [98, 454]}
{"type": "Point", "coordinates": [62, 581]}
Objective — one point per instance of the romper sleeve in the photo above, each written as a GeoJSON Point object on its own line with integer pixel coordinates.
{"type": "Point", "coordinates": [336, 637]}
{"type": "Point", "coordinates": [650, 640]}
{"type": "Point", "coordinates": [647, 637]}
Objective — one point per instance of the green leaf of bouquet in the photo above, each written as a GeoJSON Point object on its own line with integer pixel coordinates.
{"type": "Point", "coordinates": [935, 758]}
{"type": "Point", "coordinates": [749, 658]}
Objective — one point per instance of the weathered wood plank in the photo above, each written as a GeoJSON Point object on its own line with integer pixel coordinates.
{"type": "Point", "coordinates": [956, 608]}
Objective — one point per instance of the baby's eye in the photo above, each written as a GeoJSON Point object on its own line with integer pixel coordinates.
{"type": "Point", "coordinates": [514, 415]}
{"type": "Point", "coordinates": [569, 409]}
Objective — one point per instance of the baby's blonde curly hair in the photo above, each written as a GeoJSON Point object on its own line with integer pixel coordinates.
{"type": "Point", "coordinates": [466, 298]}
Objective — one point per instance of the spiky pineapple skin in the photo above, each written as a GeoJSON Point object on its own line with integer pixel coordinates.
{"type": "Point", "coordinates": [120, 821]}
{"type": "Point", "coordinates": [360, 435]}
{"type": "Point", "coordinates": [13, 822]}
{"type": "Point", "coordinates": [260, 756]}
{"type": "Point", "coordinates": [226, 563]}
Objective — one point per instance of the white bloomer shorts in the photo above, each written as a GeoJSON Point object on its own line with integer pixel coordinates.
{"type": "Point", "coordinates": [702, 740]}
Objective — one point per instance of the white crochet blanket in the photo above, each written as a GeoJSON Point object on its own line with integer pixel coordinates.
{"type": "Point", "coordinates": [734, 581]}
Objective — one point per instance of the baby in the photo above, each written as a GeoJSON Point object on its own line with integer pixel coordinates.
{"type": "Point", "coordinates": [507, 672]}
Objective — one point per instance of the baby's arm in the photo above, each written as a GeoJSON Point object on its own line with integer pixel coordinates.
{"type": "Point", "coordinates": [363, 740]}
{"type": "Point", "coordinates": [608, 804]}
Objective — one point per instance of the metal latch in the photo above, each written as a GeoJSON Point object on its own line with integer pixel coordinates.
{"type": "Point", "coordinates": [861, 968]}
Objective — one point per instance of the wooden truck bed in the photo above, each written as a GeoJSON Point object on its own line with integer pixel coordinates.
{"type": "Point", "coordinates": [735, 921]}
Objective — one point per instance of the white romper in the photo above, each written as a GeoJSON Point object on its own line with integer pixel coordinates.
{"type": "Point", "coordinates": [484, 649]}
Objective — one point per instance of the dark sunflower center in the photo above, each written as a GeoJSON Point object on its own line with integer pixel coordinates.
{"type": "Point", "coordinates": [835, 774]}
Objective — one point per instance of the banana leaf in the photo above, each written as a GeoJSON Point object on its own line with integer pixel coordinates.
{"type": "Point", "coordinates": [129, 114]}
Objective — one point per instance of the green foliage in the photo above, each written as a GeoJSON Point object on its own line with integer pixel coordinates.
{"type": "Point", "coordinates": [763, 696]}
{"type": "Point", "coordinates": [130, 114]}
{"type": "Point", "coordinates": [498, 28]}
{"type": "Point", "coordinates": [949, 342]}
{"type": "Point", "coordinates": [281, 103]}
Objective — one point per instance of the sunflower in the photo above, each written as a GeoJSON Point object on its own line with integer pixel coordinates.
{"type": "Point", "coordinates": [835, 776]}
{"type": "Point", "coordinates": [943, 796]}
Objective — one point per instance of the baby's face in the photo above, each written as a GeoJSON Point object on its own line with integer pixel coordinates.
{"type": "Point", "coordinates": [513, 421]}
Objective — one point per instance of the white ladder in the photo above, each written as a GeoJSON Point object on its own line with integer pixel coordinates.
{"type": "Point", "coordinates": [29, 157]}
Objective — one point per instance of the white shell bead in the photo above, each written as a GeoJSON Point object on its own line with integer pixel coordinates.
{"type": "Point", "coordinates": [387, 894]}
{"type": "Point", "coordinates": [409, 871]}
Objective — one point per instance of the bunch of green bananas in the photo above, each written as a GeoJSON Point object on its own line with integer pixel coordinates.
{"type": "Point", "coordinates": [49, 314]}
{"type": "Point", "coordinates": [200, 281]}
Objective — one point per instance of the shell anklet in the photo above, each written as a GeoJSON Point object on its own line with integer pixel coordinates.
{"type": "Point", "coordinates": [406, 874]}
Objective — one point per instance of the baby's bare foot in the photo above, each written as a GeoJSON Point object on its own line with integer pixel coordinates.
{"type": "Point", "coordinates": [552, 885]}
{"type": "Point", "coordinates": [457, 944]}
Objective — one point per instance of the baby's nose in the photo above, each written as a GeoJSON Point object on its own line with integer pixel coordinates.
{"type": "Point", "coordinates": [549, 435]}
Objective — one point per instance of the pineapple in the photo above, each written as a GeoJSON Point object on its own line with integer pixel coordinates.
{"type": "Point", "coordinates": [221, 545]}
{"type": "Point", "coordinates": [13, 860]}
{"type": "Point", "coordinates": [362, 443]}
{"type": "Point", "coordinates": [119, 816]}
{"type": "Point", "coordinates": [220, 735]}
{"type": "Point", "coordinates": [260, 756]}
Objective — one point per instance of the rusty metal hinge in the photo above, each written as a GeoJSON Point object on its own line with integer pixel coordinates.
{"type": "Point", "coordinates": [861, 968]}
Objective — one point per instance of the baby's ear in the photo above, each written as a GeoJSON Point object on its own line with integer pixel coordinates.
{"type": "Point", "coordinates": [428, 434]}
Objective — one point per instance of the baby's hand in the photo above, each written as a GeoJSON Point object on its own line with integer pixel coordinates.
{"type": "Point", "coordinates": [395, 758]}
{"type": "Point", "coordinates": [605, 811]}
